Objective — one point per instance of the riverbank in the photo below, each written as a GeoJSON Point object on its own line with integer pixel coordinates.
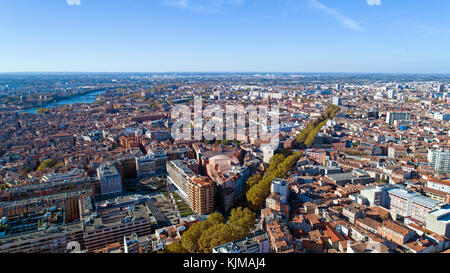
{"type": "Point", "coordinates": [84, 97]}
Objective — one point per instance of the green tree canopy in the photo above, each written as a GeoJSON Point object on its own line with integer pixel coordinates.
{"type": "Point", "coordinates": [48, 163]}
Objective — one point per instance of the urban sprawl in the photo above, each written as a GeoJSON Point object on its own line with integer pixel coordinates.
{"type": "Point", "coordinates": [88, 163]}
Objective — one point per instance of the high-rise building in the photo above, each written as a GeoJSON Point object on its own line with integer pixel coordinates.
{"type": "Point", "coordinates": [110, 180]}
{"type": "Point", "coordinates": [161, 158]}
{"type": "Point", "coordinates": [145, 165]}
{"type": "Point", "coordinates": [337, 101]}
{"type": "Point", "coordinates": [201, 195]}
{"type": "Point", "coordinates": [179, 175]}
{"type": "Point", "coordinates": [397, 116]}
{"type": "Point", "coordinates": [198, 190]}
{"type": "Point", "coordinates": [128, 167]}
{"type": "Point", "coordinates": [440, 160]}
{"type": "Point", "coordinates": [440, 88]}
{"type": "Point", "coordinates": [391, 93]}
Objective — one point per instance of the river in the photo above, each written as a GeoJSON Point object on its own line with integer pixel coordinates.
{"type": "Point", "coordinates": [86, 98]}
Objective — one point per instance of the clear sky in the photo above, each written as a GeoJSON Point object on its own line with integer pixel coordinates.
{"type": "Point", "coordinates": [225, 35]}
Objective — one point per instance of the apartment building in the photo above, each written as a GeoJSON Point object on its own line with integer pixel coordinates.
{"type": "Point", "coordinates": [201, 195]}
{"type": "Point", "coordinates": [439, 160]}
{"type": "Point", "coordinates": [395, 233]}
{"type": "Point", "coordinates": [110, 180]}
{"type": "Point", "coordinates": [198, 190]}
{"type": "Point", "coordinates": [280, 186]}
{"type": "Point", "coordinates": [407, 203]}
{"type": "Point", "coordinates": [179, 175]}
{"type": "Point", "coordinates": [441, 185]}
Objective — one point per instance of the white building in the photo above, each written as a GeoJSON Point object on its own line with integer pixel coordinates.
{"type": "Point", "coordinates": [280, 186]}
{"type": "Point", "coordinates": [439, 160]}
{"type": "Point", "coordinates": [391, 94]}
{"type": "Point", "coordinates": [268, 152]}
{"type": "Point", "coordinates": [397, 116]}
{"type": "Point", "coordinates": [59, 177]}
{"type": "Point", "coordinates": [337, 101]}
{"type": "Point", "coordinates": [438, 221]}
{"type": "Point", "coordinates": [440, 116]}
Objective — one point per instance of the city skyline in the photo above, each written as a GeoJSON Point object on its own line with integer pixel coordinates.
{"type": "Point", "coordinates": [358, 36]}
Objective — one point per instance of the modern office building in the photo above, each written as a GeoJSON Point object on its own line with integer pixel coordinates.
{"type": "Point", "coordinates": [110, 180]}
{"type": "Point", "coordinates": [161, 158]}
{"type": "Point", "coordinates": [145, 165]}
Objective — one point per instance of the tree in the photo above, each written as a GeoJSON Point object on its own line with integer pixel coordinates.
{"type": "Point", "coordinates": [242, 221]}
{"type": "Point", "coordinates": [3, 186]}
{"type": "Point", "coordinates": [279, 167]}
{"type": "Point", "coordinates": [216, 235]}
{"type": "Point", "coordinates": [216, 218]}
{"type": "Point", "coordinates": [191, 237]}
{"type": "Point", "coordinates": [175, 247]}
{"type": "Point", "coordinates": [42, 111]}
{"type": "Point", "coordinates": [48, 163]}
{"type": "Point", "coordinates": [310, 140]}
{"type": "Point", "coordinates": [253, 181]}
{"type": "Point", "coordinates": [203, 236]}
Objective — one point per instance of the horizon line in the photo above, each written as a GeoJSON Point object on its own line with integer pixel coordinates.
{"type": "Point", "coordinates": [218, 71]}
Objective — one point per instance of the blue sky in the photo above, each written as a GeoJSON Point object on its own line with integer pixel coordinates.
{"type": "Point", "coordinates": [225, 35]}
